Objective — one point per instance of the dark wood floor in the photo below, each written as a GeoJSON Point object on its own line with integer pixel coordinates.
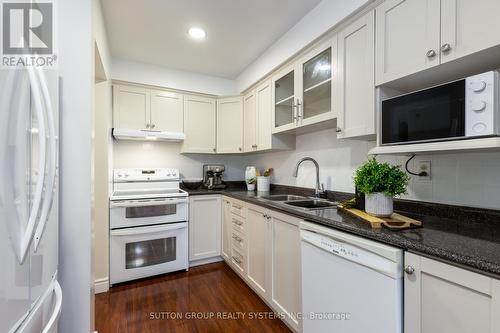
{"type": "Point", "coordinates": [169, 302]}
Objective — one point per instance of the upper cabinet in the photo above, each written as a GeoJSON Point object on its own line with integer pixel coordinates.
{"type": "Point", "coordinates": [167, 111]}
{"type": "Point", "coordinates": [355, 79]}
{"type": "Point", "coordinates": [414, 35]}
{"type": "Point", "coordinates": [140, 108]}
{"type": "Point", "coordinates": [468, 26]}
{"type": "Point", "coordinates": [230, 125]}
{"type": "Point", "coordinates": [199, 124]}
{"type": "Point", "coordinates": [131, 107]}
{"type": "Point", "coordinates": [302, 92]}
{"type": "Point", "coordinates": [407, 37]}
{"type": "Point", "coordinates": [258, 122]}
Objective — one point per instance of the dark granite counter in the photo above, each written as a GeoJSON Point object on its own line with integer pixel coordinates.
{"type": "Point", "coordinates": [465, 237]}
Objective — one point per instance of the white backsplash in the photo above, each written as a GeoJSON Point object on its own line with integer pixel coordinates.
{"type": "Point", "coordinates": [468, 179]}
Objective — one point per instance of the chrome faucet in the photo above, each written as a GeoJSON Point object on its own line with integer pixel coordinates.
{"type": "Point", "coordinates": [320, 190]}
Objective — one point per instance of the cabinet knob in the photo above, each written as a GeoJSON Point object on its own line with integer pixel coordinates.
{"type": "Point", "coordinates": [215, 149]}
{"type": "Point", "coordinates": [445, 47]}
{"type": "Point", "coordinates": [240, 149]}
{"type": "Point", "coordinates": [147, 125]}
{"type": "Point", "coordinates": [431, 54]}
{"type": "Point", "coordinates": [409, 270]}
{"type": "Point", "coordinates": [338, 130]}
{"type": "Point", "coordinates": [152, 125]}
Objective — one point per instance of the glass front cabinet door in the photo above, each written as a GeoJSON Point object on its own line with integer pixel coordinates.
{"type": "Point", "coordinates": [303, 91]}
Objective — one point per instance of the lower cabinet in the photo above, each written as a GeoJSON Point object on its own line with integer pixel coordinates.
{"type": "Point", "coordinates": [286, 267]}
{"type": "Point", "coordinates": [226, 229]}
{"type": "Point", "coordinates": [204, 228]}
{"type": "Point", "coordinates": [265, 251]}
{"type": "Point", "coordinates": [447, 299]}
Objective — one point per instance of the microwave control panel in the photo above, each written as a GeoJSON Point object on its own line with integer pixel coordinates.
{"type": "Point", "coordinates": [481, 109]}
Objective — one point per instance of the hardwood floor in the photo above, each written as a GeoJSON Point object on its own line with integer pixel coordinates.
{"type": "Point", "coordinates": [213, 294]}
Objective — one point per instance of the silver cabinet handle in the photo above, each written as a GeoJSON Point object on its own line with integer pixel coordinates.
{"type": "Point", "coordinates": [338, 130]}
{"type": "Point", "coordinates": [237, 260]}
{"type": "Point", "coordinates": [238, 239]}
{"type": "Point", "coordinates": [240, 149]}
{"type": "Point", "coordinates": [254, 146]}
{"type": "Point", "coordinates": [237, 222]}
{"type": "Point", "coordinates": [299, 114]}
{"type": "Point", "coordinates": [431, 54]}
{"type": "Point", "coordinates": [445, 47]}
{"type": "Point", "coordinates": [148, 125]}
{"type": "Point", "coordinates": [214, 149]}
{"type": "Point", "coordinates": [153, 125]}
{"type": "Point", "coordinates": [409, 270]}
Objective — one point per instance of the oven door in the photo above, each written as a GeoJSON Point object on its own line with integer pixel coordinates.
{"type": "Point", "coordinates": [146, 251]}
{"type": "Point", "coordinates": [133, 213]}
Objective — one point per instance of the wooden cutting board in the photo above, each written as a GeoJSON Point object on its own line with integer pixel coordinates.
{"type": "Point", "coordinates": [395, 221]}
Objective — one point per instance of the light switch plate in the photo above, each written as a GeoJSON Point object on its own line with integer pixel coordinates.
{"type": "Point", "coordinates": [424, 166]}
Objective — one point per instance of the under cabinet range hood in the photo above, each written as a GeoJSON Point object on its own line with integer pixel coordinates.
{"type": "Point", "coordinates": [143, 135]}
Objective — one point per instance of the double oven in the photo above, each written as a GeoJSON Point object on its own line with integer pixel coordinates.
{"type": "Point", "coordinates": [148, 224]}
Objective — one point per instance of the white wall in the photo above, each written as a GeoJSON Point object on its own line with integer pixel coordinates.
{"type": "Point", "coordinates": [137, 154]}
{"type": "Point", "coordinates": [164, 77]}
{"type": "Point", "coordinates": [75, 67]}
{"type": "Point", "coordinates": [320, 19]}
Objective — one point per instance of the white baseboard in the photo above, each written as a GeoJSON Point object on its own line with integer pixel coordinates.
{"type": "Point", "coordinates": [204, 261]}
{"type": "Point", "coordinates": [101, 285]}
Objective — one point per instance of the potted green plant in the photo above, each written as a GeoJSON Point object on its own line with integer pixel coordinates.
{"type": "Point", "coordinates": [380, 182]}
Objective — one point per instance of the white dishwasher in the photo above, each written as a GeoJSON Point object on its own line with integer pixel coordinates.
{"type": "Point", "coordinates": [349, 284]}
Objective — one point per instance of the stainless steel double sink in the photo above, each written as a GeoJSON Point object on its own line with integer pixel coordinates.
{"type": "Point", "coordinates": [300, 202]}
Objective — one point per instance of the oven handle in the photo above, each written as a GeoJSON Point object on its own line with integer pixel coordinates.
{"type": "Point", "coordinates": [148, 230]}
{"type": "Point", "coordinates": [139, 203]}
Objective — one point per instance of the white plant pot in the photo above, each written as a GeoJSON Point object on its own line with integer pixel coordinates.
{"type": "Point", "coordinates": [379, 204]}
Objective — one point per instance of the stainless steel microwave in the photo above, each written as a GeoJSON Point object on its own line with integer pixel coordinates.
{"type": "Point", "coordinates": [462, 109]}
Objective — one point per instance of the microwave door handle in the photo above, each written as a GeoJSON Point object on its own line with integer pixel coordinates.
{"type": "Point", "coordinates": [52, 161]}
{"type": "Point", "coordinates": [148, 230]}
{"type": "Point", "coordinates": [130, 204]}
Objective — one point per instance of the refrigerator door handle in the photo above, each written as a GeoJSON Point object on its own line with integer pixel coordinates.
{"type": "Point", "coordinates": [21, 237]}
{"type": "Point", "coordinates": [57, 309]}
{"type": "Point", "coordinates": [52, 161]}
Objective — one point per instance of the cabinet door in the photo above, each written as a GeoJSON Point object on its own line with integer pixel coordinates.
{"type": "Point", "coordinates": [284, 103]}
{"type": "Point", "coordinates": [468, 26]}
{"type": "Point", "coordinates": [167, 111]}
{"type": "Point", "coordinates": [230, 125]}
{"type": "Point", "coordinates": [199, 124]}
{"type": "Point", "coordinates": [226, 229]}
{"type": "Point", "coordinates": [316, 85]}
{"type": "Point", "coordinates": [446, 299]}
{"type": "Point", "coordinates": [131, 107]}
{"type": "Point", "coordinates": [407, 37]}
{"type": "Point", "coordinates": [258, 261]}
{"type": "Point", "coordinates": [264, 116]}
{"type": "Point", "coordinates": [249, 122]}
{"type": "Point", "coordinates": [355, 78]}
{"type": "Point", "coordinates": [286, 267]}
{"type": "Point", "coordinates": [204, 227]}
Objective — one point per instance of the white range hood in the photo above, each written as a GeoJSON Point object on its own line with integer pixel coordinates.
{"type": "Point", "coordinates": [130, 134]}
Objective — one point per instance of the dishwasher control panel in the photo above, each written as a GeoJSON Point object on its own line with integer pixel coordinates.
{"type": "Point", "coordinates": [330, 245]}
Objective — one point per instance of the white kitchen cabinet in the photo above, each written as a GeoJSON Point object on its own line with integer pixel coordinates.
{"type": "Point", "coordinates": [258, 245]}
{"type": "Point", "coordinates": [204, 227]}
{"type": "Point", "coordinates": [265, 139]}
{"type": "Point", "coordinates": [447, 299]}
{"type": "Point", "coordinates": [226, 229]}
{"type": "Point", "coordinates": [407, 36]}
{"type": "Point", "coordinates": [167, 111]}
{"type": "Point", "coordinates": [286, 267]}
{"type": "Point", "coordinates": [250, 122]}
{"type": "Point", "coordinates": [199, 124]}
{"type": "Point", "coordinates": [131, 107]}
{"type": "Point", "coordinates": [468, 26]}
{"type": "Point", "coordinates": [302, 91]}
{"type": "Point", "coordinates": [230, 125]}
{"type": "Point", "coordinates": [355, 77]}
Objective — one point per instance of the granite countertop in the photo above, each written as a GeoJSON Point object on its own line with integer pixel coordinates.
{"type": "Point", "coordinates": [462, 241]}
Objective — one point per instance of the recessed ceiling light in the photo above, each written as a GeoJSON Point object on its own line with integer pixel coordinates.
{"type": "Point", "coordinates": [197, 33]}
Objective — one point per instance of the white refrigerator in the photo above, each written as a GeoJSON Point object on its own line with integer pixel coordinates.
{"type": "Point", "coordinates": [30, 295]}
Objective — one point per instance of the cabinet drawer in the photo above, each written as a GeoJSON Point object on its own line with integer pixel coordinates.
{"type": "Point", "coordinates": [238, 241]}
{"type": "Point", "coordinates": [238, 261]}
{"type": "Point", "coordinates": [238, 223]}
{"type": "Point", "coordinates": [238, 209]}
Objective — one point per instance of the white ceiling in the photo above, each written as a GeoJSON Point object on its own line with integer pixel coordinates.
{"type": "Point", "coordinates": [238, 31]}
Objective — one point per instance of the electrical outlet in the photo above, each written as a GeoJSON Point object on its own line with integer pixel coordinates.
{"type": "Point", "coordinates": [424, 166]}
